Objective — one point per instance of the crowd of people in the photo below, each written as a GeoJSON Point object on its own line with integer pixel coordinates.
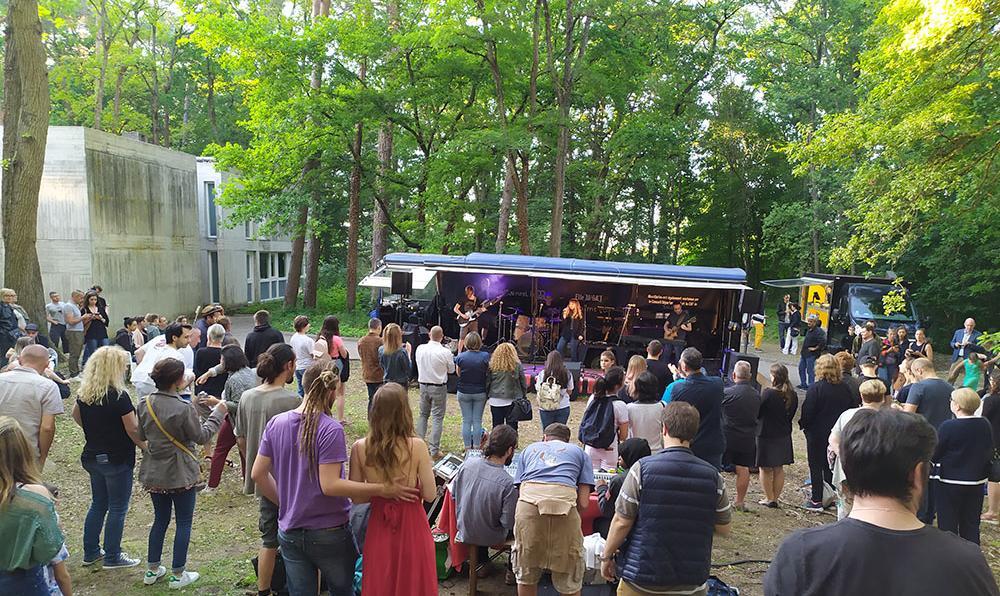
{"type": "Point", "coordinates": [891, 444]}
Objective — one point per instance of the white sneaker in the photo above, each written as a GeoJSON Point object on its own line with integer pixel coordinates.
{"type": "Point", "coordinates": [186, 579]}
{"type": "Point", "coordinates": [152, 577]}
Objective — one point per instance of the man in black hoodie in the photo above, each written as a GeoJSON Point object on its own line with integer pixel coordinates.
{"type": "Point", "coordinates": [262, 337]}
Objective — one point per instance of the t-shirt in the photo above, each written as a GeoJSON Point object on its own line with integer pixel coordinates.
{"type": "Point", "coordinates": [257, 407]}
{"type": "Point", "coordinates": [302, 345]}
{"type": "Point", "coordinates": [646, 422]}
{"type": "Point", "coordinates": [303, 506]}
{"type": "Point", "coordinates": [55, 312]}
{"type": "Point", "coordinates": [740, 407]}
{"type": "Point", "coordinates": [849, 557]}
{"type": "Point", "coordinates": [204, 359]}
{"type": "Point", "coordinates": [661, 370]}
{"type": "Point", "coordinates": [72, 309]}
{"type": "Point", "coordinates": [485, 499]}
{"type": "Point", "coordinates": [475, 369]}
{"type": "Point", "coordinates": [933, 400]}
{"type": "Point", "coordinates": [554, 462]}
{"type": "Point", "coordinates": [104, 430]}
{"type": "Point", "coordinates": [26, 396]}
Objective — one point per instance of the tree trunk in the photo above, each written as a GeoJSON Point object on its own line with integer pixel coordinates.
{"type": "Point", "coordinates": [521, 184]}
{"type": "Point", "coordinates": [102, 47]}
{"type": "Point", "coordinates": [559, 173]}
{"type": "Point", "coordinates": [503, 224]}
{"type": "Point", "coordinates": [26, 126]}
{"type": "Point", "coordinates": [210, 99]}
{"type": "Point", "coordinates": [312, 264]}
{"type": "Point", "coordinates": [380, 236]}
{"type": "Point", "coordinates": [353, 215]}
{"type": "Point", "coordinates": [298, 250]}
{"type": "Point", "coordinates": [116, 110]}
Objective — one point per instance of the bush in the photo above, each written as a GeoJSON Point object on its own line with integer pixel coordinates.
{"type": "Point", "coordinates": [329, 301]}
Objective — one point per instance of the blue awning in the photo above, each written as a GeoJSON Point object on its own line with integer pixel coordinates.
{"type": "Point", "coordinates": [608, 271]}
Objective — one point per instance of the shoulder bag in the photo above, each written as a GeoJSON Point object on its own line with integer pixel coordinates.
{"type": "Point", "coordinates": [522, 406]}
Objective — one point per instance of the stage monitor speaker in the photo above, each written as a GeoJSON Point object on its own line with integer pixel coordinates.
{"type": "Point", "coordinates": [734, 357]}
{"type": "Point", "coordinates": [402, 283]}
{"type": "Point", "coordinates": [753, 302]}
{"type": "Point", "coordinates": [575, 369]}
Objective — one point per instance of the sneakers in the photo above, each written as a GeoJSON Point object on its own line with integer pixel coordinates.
{"type": "Point", "coordinates": [88, 563]}
{"type": "Point", "coordinates": [122, 561]}
{"type": "Point", "coordinates": [812, 506]}
{"type": "Point", "coordinates": [151, 576]}
{"type": "Point", "coordinates": [184, 580]}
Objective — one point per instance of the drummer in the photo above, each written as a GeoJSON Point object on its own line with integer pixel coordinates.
{"type": "Point", "coordinates": [572, 332]}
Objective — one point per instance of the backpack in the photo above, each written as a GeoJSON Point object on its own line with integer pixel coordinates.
{"type": "Point", "coordinates": [549, 395]}
{"type": "Point", "coordinates": [598, 429]}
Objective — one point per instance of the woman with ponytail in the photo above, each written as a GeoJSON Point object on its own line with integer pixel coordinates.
{"type": "Point", "coordinates": [300, 464]}
{"type": "Point", "coordinates": [605, 421]}
{"type": "Point", "coordinates": [774, 433]}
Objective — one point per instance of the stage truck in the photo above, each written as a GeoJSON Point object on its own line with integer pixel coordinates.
{"type": "Point", "coordinates": [521, 299]}
{"type": "Point", "coordinates": [842, 301]}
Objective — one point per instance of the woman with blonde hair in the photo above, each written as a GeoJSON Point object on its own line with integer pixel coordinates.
{"type": "Point", "coordinates": [825, 401]}
{"type": "Point", "coordinates": [394, 356]}
{"type": "Point", "coordinates": [572, 331]}
{"type": "Point", "coordinates": [28, 521]}
{"type": "Point", "coordinates": [505, 383]}
{"type": "Point", "coordinates": [300, 464]}
{"type": "Point", "coordinates": [961, 466]}
{"type": "Point", "coordinates": [872, 398]}
{"type": "Point", "coordinates": [111, 430]}
{"type": "Point", "coordinates": [636, 366]}
{"type": "Point", "coordinates": [398, 552]}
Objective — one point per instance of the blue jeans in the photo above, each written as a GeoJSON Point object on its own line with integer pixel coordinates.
{"type": "Point", "coordinates": [547, 417]}
{"type": "Point", "coordinates": [110, 491]}
{"type": "Point", "coordinates": [183, 506]}
{"type": "Point", "coordinates": [330, 551]}
{"type": "Point", "coordinates": [807, 369]}
{"type": "Point", "coordinates": [574, 346]}
{"type": "Point", "coordinates": [298, 379]}
{"type": "Point", "coordinates": [504, 415]}
{"type": "Point", "coordinates": [90, 346]}
{"type": "Point", "coordinates": [472, 405]}
{"type": "Point", "coordinates": [30, 582]}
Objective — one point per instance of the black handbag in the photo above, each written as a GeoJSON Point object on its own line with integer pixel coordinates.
{"type": "Point", "coordinates": [522, 409]}
{"type": "Point", "coordinates": [994, 472]}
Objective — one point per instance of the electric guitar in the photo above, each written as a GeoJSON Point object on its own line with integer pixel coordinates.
{"type": "Point", "coordinates": [471, 315]}
{"type": "Point", "coordinates": [670, 333]}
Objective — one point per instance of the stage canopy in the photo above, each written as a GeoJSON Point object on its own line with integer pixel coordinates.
{"type": "Point", "coordinates": [425, 266]}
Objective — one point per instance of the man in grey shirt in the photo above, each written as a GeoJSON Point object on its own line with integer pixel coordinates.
{"type": "Point", "coordinates": [74, 330]}
{"type": "Point", "coordinates": [32, 400]}
{"type": "Point", "coordinates": [57, 323]}
{"type": "Point", "coordinates": [485, 496]}
{"type": "Point", "coordinates": [930, 397]}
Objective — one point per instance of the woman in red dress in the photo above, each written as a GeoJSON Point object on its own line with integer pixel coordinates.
{"type": "Point", "coordinates": [399, 552]}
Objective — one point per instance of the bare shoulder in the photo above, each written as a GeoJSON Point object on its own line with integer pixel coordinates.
{"type": "Point", "coordinates": [40, 490]}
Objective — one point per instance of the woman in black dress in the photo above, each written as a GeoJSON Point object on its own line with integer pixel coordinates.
{"type": "Point", "coordinates": [991, 412]}
{"type": "Point", "coordinates": [825, 401]}
{"type": "Point", "coordinates": [774, 434]}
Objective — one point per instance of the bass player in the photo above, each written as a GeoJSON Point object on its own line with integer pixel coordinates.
{"type": "Point", "coordinates": [675, 331]}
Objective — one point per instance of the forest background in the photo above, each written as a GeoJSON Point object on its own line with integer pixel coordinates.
{"type": "Point", "coordinates": [854, 136]}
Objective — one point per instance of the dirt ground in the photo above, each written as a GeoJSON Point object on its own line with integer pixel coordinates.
{"type": "Point", "coordinates": [224, 536]}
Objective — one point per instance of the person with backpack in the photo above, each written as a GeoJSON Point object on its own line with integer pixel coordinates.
{"type": "Point", "coordinates": [553, 385]}
{"type": "Point", "coordinates": [605, 421]}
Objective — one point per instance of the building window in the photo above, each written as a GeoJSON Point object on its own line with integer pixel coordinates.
{"type": "Point", "coordinates": [247, 230]}
{"type": "Point", "coordinates": [273, 275]}
{"type": "Point", "coordinates": [213, 216]}
{"type": "Point", "coordinates": [213, 275]}
{"type": "Point", "coordinates": [251, 261]}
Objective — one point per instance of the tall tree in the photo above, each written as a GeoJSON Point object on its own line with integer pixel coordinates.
{"type": "Point", "coordinates": [25, 130]}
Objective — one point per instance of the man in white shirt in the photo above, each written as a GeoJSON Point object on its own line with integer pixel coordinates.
{"type": "Point", "coordinates": [32, 400]}
{"type": "Point", "coordinates": [187, 352]}
{"type": "Point", "coordinates": [168, 345]}
{"type": "Point", "coordinates": [434, 363]}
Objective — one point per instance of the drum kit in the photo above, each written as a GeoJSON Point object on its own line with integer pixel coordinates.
{"type": "Point", "coordinates": [533, 336]}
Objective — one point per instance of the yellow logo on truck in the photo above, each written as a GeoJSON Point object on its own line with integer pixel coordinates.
{"type": "Point", "coordinates": [817, 301]}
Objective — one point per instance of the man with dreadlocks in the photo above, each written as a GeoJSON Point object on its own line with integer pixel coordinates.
{"type": "Point", "coordinates": [300, 466]}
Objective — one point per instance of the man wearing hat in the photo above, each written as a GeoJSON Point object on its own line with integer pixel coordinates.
{"type": "Point", "coordinates": [813, 344]}
{"type": "Point", "coordinates": [208, 316]}
{"type": "Point", "coordinates": [31, 330]}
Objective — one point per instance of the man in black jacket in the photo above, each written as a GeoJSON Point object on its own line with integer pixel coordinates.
{"type": "Point", "coordinates": [813, 344]}
{"type": "Point", "coordinates": [261, 338]}
{"type": "Point", "coordinates": [784, 314]}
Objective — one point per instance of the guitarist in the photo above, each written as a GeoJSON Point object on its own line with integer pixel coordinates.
{"type": "Point", "coordinates": [675, 331]}
{"type": "Point", "coordinates": [465, 310]}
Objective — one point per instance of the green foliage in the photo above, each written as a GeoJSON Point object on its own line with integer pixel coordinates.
{"type": "Point", "coordinates": [329, 301]}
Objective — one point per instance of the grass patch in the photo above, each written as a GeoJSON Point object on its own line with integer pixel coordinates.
{"type": "Point", "coordinates": [329, 301]}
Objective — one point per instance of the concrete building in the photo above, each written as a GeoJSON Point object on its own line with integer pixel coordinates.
{"type": "Point", "coordinates": [141, 221]}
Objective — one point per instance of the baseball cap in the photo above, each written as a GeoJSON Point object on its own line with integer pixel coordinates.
{"type": "Point", "coordinates": [869, 361]}
{"type": "Point", "coordinates": [31, 327]}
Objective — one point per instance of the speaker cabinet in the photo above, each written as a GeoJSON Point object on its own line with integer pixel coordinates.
{"type": "Point", "coordinates": [402, 283]}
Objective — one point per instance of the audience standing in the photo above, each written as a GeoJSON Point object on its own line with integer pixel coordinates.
{"type": "Point", "coordinates": [398, 553]}
{"type": "Point", "coordinates": [882, 547]}
{"type": "Point", "coordinates": [261, 338]}
{"type": "Point", "coordinates": [921, 346]}
{"type": "Point", "coordinates": [303, 346]}
{"type": "Point", "coordinates": [555, 371]}
{"type": "Point", "coordinates": [605, 421]}
{"type": "Point", "coordinates": [554, 479]}
{"type": "Point", "coordinates": [28, 520]}
{"type": "Point", "coordinates": [9, 329]}
{"type": "Point", "coordinates": [961, 464]}
{"type": "Point", "coordinates": [740, 409]}
{"type": "Point", "coordinates": [56, 317]}
{"type": "Point", "coordinates": [991, 412]}
{"type": "Point", "coordinates": [705, 393]}
{"type": "Point", "coordinates": [394, 358]}
{"type": "Point", "coordinates": [505, 384]}
{"type": "Point", "coordinates": [239, 379]}
{"type": "Point", "coordinates": [434, 363]}
{"type": "Point", "coordinates": [473, 368]}
{"type": "Point", "coordinates": [825, 401]}
{"type": "Point", "coordinates": [111, 431]}
{"type": "Point", "coordinates": [629, 452]}
{"type": "Point", "coordinates": [813, 345]}
{"type": "Point", "coordinates": [930, 397]}
{"type": "Point", "coordinates": [206, 359]}
{"type": "Point", "coordinates": [74, 331]}
{"type": "Point", "coordinates": [369, 353]}
{"type": "Point", "coordinates": [32, 400]}
{"type": "Point", "coordinates": [645, 413]}
{"type": "Point", "coordinates": [330, 332]}
{"type": "Point", "coordinates": [963, 338]}
{"type": "Point", "coordinates": [872, 398]}
{"type": "Point", "coordinates": [276, 367]}
{"type": "Point", "coordinates": [175, 337]}
{"type": "Point", "coordinates": [657, 365]}
{"type": "Point", "coordinates": [670, 506]}
{"type": "Point", "coordinates": [169, 471]}
{"type": "Point", "coordinates": [95, 322]}
{"type": "Point", "coordinates": [778, 405]}
{"type": "Point", "coordinates": [847, 363]}
{"type": "Point", "coordinates": [636, 366]}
